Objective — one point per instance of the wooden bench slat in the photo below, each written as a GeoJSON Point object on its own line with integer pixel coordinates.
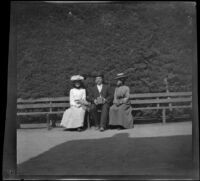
{"type": "Point", "coordinates": [58, 99]}
{"type": "Point", "coordinates": [141, 108]}
{"type": "Point", "coordinates": [43, 100]}
{"type": "Point", "coordinates": [164, 94]}
{"type": "Point", "coordinates": [142, 118]}
{"type": "Point", "coordinates": [61, 112]}
{"type": "Point", "coordinates": [31, 106]}
{"type": "Point", "coordinates": [38, 113]}
{"type": "Point", "coordinates": [150, 101]}
{"type": "Point", "coordinates": [141, 95]}
{"type": "Point", "coordinates": [154, 101]}
{"type": "Point", "coordinates": [31, 113]}
{"type": "Point", "coordinates": [164, 107]}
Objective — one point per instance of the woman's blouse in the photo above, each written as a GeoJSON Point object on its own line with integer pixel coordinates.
{"type": "Point", "coordinates": [76, 94]}
{"type": "Point", "coordinates": [122, 95]}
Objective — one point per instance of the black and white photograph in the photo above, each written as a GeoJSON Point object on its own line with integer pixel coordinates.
{"type": "Point", "coordinates": [102, 90]}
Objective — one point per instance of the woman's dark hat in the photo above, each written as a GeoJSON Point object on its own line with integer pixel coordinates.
{"type": "Point", "coordinates": [121, 76]}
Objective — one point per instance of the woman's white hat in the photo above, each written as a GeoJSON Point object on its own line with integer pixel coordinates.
{"type": "Point", "coordinates": [76, 77]}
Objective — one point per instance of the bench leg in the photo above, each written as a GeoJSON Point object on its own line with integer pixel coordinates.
{"type": "Point", "coordinates": [164, 115]}
{"type": "Point", "coordinates": [48, 122]}
{"type": "Point", "coordinates": [18, 124]}
{"type": "Point", "coordinates": [88, 120]}
{"type": "Point", "coordinates": [132, 117]}
{"type": "Point", "coordinates": [53, 123]}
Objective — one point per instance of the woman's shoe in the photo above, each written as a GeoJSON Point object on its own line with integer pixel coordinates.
{"type": "Point", "coordinates": [120, 128]}
{"type": "Point", "coordinates": [79, 129]}
{"type": "Point", "coordinates": [102, 129]}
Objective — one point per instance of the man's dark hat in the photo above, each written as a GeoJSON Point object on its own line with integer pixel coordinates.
{"type": "Point", "coordinates": [121, 76]}
{"type": "Point", "coordinates": [99, 74]}
{"type": "Point", "coordinates": [85, 76]}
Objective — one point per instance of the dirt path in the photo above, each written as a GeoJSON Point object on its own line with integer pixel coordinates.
{"type": "Point", "coordinates": [32, 142]}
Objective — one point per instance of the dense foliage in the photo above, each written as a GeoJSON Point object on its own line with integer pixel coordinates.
{"type": "Point", "coordinates": [149, 41]}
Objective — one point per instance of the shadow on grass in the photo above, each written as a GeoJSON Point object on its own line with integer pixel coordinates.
{"type": "Point", "coordinates": [117, 155]}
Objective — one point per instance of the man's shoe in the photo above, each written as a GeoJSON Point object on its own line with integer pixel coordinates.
{"type": "Point", "coordinates": [120, 128]}
{"type": "Point", "coordinates": [102, 129]}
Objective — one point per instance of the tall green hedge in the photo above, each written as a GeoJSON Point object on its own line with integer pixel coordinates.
{"type": "Point", "coordinates": [149, 41]}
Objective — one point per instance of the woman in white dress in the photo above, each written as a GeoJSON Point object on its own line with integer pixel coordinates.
{"type": "Point", "coordinates": [73, 117]}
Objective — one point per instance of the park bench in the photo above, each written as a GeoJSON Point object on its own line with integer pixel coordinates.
{"type": "Point", "coordinates": [144, 101]}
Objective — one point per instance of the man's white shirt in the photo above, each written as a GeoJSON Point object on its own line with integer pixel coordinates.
{"type": "Point", "coordinates": [99, 87]}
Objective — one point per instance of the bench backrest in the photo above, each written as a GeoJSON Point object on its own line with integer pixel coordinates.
{"type": "Point", "coordinates": [139, 102]}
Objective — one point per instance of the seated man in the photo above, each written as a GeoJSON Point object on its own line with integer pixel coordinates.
{"type": "Point", "coordinates": [100, 97]}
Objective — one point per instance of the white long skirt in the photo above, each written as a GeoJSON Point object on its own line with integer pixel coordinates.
{"type": "Point", "coordinates": [73, 117]}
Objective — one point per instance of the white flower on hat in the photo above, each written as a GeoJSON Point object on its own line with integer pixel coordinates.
{"type": "Point", "coordinates": [120, 74]}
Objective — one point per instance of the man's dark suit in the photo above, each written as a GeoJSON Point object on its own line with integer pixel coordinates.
{"type": "Point", "coordinates": [108, 95]}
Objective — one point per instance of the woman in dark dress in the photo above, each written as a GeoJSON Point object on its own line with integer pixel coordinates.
{"type": "Point", "coordinates": [120, 112]}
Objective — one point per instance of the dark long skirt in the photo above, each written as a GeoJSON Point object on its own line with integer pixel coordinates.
{"type": "Point", "coordinates": [121, 115]}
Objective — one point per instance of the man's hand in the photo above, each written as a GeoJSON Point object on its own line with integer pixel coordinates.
{"type": "Point", "coordinates": [104, 100]}
{"type": "Point", "coordinates": [95, 101]}
{"type": "Point", "coordinates": [100, 100]}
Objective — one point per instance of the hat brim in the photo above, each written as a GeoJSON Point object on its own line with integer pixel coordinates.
{"type": "Point", "coordinates": [98, 76]}
{"type": "Point", "coordinates": [121, 77]}
{"type": "Point", "coordinates": [77, 80]}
